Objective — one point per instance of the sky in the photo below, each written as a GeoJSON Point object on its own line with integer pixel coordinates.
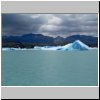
{"type": "Point", "coordinates": [50, 24]}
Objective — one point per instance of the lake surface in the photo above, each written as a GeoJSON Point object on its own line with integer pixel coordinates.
{"type": "Point", "coordinates": [49, 68]}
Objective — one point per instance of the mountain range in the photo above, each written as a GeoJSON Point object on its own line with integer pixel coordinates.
{"type": "Point", "coordinates": [30, 40]}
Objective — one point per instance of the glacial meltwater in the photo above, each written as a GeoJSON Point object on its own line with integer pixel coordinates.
{"type": "Point", "coordinates": [49, 68]}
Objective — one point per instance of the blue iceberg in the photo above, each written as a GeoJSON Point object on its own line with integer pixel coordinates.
{"type": "Point", "coordinates": [76, 45]}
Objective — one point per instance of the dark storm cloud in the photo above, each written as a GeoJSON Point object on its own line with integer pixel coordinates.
{"type": "Point", "coordinates": [16, 24]}
{"type": "Point", "coordinates": [50, 24]}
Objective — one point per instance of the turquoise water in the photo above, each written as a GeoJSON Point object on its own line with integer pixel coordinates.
{"type": "Point", "coordinates": [49, 68]}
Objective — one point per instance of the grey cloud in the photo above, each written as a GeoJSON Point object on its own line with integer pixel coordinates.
{"type": "Point", "coordinates": [16, 24]}
{"type": "Point", "coordinates": [69, 24]}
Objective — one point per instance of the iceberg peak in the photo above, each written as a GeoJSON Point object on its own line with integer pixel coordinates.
{"type": "Point", "coordinates": [78, 45]}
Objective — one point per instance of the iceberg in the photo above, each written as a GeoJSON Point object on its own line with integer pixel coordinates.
{"type": "Point", "coordinates": [5, 49]}
{"type": "Point", "coordinates": [13, 49]}
{"type": "Point", "coordinates": [47, 48]}
{"type": "Point", "coordinates": [75, 46]}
